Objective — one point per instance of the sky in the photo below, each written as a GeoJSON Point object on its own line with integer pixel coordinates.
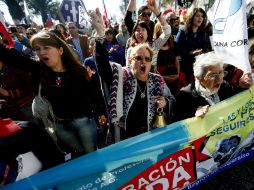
{"type": "Point", "coordinates": [112, 7]}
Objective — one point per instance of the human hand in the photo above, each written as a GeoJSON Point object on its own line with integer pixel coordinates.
{"type": "Point", "coordinates": [4, 92]}
{"type": "Point", "coordinates": [114, 48]}
{"type": "Point", "coordinates": [90, 71]}
{"type": "Point", "coordinates": [102, 120]}
{"type": "Point", "coordinates": [151, 4]}
{"type": "Point", "coordinates": [95, 19]}
{"type": "Point", "coordinates": [201, 111]}
{"type": "Point", "coordinates": [246, 80]}
{"type": "Point", "coordinates": [160, 101]}
{"type": "Point", "coordinates": [196, 52]}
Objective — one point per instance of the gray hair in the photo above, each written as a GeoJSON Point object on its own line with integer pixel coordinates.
{"type": "Point", "coordinates": [206, 60]}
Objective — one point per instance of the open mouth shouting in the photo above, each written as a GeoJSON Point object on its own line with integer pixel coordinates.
{"type": "Point", "coordinates": [141, 38]}
{"type": "Point", "coordinates": [45, 60]}
{"type": "Point", "coordinates": [142, 69]}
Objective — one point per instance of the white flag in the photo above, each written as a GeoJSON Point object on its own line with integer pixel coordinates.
{"type": "Point", "coordinates": [2, 20]}
{"type": "Point", "coordinates": [230, 38]}
{"type": "Point", "coordinates": [26, 10]}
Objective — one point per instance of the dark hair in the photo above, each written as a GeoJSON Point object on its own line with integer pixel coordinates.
{"type": "Point", "coordinates": [23, 25]}
{"type": "Point", "coordinates": [235, 137]}
{"type": "Point", "coordinates": [69, 60]}
{"type": "Point", "coordinates": [142, 24]}
{"type": "Point", "coordinates": [12, 29]}
{"type": "Point", "coordinates": [250, 32]}
{"type": "Point", "coordinates": [142, 9]}
{"type": "Point", "coordinates": [109, 31]}
{"type": "Point", "coordinates": [250, 18]}
{"type": "Point", "coordinates": [190, 19]}
{"type": "Point", "coordinates": [64, 27]}
{"type": "Point", "coordinates": [58, 33]}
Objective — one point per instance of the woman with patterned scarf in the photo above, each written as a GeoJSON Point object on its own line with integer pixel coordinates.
{"type": "Point", "coordinates": [135, 92]}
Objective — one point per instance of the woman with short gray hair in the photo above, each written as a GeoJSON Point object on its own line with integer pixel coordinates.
{"type": "Point", "coordinates": [209, 87]}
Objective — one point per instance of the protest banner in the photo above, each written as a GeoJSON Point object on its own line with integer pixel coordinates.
{"type": "Point", "coordinates": [74, 11]}
{"type": "Point", "coordinates": [181, 155]}
{"type": "Point", "coordinates": [230, 37]}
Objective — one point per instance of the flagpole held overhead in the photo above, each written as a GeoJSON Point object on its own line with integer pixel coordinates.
{"type": "Point", "coordinates": [105, 15]}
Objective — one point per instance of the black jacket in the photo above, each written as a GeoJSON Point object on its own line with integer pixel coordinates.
{"type": "Point", "coordinates": [78, 97]}
{"type": "Point", "coordinates": [188, 100]}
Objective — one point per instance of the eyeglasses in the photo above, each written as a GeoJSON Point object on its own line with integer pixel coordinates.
{"type": "Point", "coordinates": [171, 20]}
{"type": "Point", "coordinates": [144, 14]}
{"type": "Point", "coordinates": [142, 58]}
{"type": "Point", "coordinates": [216, 76]}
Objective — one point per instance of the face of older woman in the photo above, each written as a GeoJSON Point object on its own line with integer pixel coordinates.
{"type": "Point", "coordinates": [141, 64]}
{"type": "Point", "coordinates": [212, 78]}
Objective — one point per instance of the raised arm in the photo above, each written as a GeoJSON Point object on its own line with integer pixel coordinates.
{"type": "Point", "coordinates": [102, 61]}
{"type": "Point", "coordinates": [128, 16]}
{"type": "Point", "coordinates": [101, 54]}
{"type": "Point", "coordinates": [15, 59]}
{"type": "Point", "coordinates": [166, 29]}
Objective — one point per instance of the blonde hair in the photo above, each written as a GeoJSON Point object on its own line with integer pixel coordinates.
{"type": "Point", "coordinates": [157, 30]}
{"type": "Point", "coordinates": [145, 46]}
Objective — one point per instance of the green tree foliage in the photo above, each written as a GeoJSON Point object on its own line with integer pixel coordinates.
{"type": "Point", "coordinates": [45, 7]}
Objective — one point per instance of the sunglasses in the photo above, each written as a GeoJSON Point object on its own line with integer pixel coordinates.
{"type": "Point", "coordinates": [144, 14]}
{"type": "Point", "coordinates": [142, 58]}
{"type": "Point", "coordinates": [171, 20]}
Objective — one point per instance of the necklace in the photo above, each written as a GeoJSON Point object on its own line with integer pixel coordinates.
{"type": "Point", "coordinates": [142, 93]}
{"type": "Point", "coordinates": [59, 79]}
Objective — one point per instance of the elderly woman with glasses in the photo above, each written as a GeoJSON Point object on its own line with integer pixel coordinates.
{"type": "Point", "coordinates": [208, 89]}
{"type": "Point", "coordinates": [135, 92]}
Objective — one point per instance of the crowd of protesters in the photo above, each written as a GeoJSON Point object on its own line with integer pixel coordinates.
{"type": "Point", "coordinates": [71, 86]}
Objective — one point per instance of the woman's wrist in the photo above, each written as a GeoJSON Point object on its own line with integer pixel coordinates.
{"type": "Point", "coordinates": [158, 15]}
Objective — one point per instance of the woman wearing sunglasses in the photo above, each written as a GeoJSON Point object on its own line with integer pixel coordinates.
{"type": "Point", "coordinates": [65, 83]}
{"type": "Point", "coordinates": [144, 14]}
{"type": "Point", "coordinates": [135, 92]}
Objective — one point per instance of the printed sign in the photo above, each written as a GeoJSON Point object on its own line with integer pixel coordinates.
{"type": "Point", "coordinates": [74, 11]}
{"type": "Point", "coordinates": [178, 156]}
{"type": "Point", "coordinates": [184, 4]}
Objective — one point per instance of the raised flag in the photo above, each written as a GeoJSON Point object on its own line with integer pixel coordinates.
{"type": "Point", "coordinates": [184, 3]}
{"type": "Point", "coordinates": [5, 33]}
{"type": "Point", "coordinates": [230, 39]}
{"type": "Point", "coordinates": [105, 15]}
{"type": "Point", "coordinates": [74, 11]}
